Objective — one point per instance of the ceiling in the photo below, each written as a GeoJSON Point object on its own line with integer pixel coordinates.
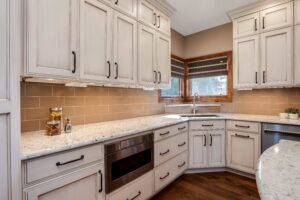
{"type": "Point", "coordinates": [197, 15]}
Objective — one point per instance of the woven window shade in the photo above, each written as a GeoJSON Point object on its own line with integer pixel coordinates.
{"type": "Point", "coordinates": [217, 66]}
{"type": "Point", "coordinates": [177, 68]}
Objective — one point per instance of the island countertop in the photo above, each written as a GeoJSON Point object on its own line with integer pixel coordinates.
{"type": "Point", "coordinates": [278, 172]}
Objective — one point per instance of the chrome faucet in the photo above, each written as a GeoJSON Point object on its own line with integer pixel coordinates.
{"type": "Point", "coordinates": [196, 95]}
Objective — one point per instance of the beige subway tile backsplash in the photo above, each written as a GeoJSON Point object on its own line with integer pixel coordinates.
{"type": "Point", "coordinates": [84, 105]}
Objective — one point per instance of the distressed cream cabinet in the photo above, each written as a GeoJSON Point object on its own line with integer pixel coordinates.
{"type": "Point", "coordinates": [297, 12]}
{"type": "Point", "coordinates": [128, 7]}
{"type": "Point", "coordinates": [263, 45]}
{"type": "Point", "coordinates": [10, 62]}
{"type": "Point", "coordinates": [297, 54]}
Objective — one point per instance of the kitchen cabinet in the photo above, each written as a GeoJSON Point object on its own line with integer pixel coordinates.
{"type": "Point", "coordinates": [85, 183]}
{"type": "Point", "coordinates": [52, 35]}
{"type": "Point", "coordinates": [198, 149]}
{"type": "Point", "coordinates": [147, 56]}
{"type": "Point", "coordinates": [246, 62]}
{"type": "Point", "coordinates": [247, 25]}
{"type": "Point", "coordinates": [163, 61]}
{"type": "Point", "coordinates": [279, 16]}
{"type": "Point", "coordinates": [216, 149]}
{"type": "Point", "coordinates": [276, 57]}
{"type": "Point", "coordinates": [163, 23]}
{"type": "Point", "coordinates": [128, 7]}
{"type": "Point", "coordinates": [95, 41]}
{"type": "Point", "coordinates": [297, 54]}
{"type": "Point", "coordinates": [125, 49]}
{"type": "Point", "coordinates": [297, 12]}
{"type": "Point", "coordinates": [242, 151]}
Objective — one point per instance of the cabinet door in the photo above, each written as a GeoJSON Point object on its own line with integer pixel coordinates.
{"type": "Point", "coordinates": [297, 54]}
{"type": "Point", "coordinates": [198, 149]}
{"type": "Point", "coordinates": [127, 6]}
{"type": "Point", "coordinates": [297, 12]}
{"type": "Point", "coordinates": [246, 62]}
{"type": "Point", "coordinates": [147, 56]}
{"type": "Point", "coordinates": [163, 23]}
{"type": "Point", "coordinates": [125, 49]}
{"type": "Point", "coordinates": [216, 150]}
{"type": "Point", "coordinates": [276, 57]}
{"type": "Point", "coordinates": [247, 25]}
{"type": "Point", "coordinates": [242, 151]}
{"type": "Point", "coordinates": [95, 41]}
{"type": "Point", "coordinates": [86, 183]}
{"type": "Point", "coordinates": [277, 17]}
{"type": "Point", "coordinates": [51, 37]}
{"type": "Point", "coordinates": [147, 13]}
{"type": "Point", "coordinates": [163, 61]}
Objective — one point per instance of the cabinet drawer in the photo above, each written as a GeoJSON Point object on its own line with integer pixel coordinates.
{"type": "Point", "coordinates": [170, 170]}
{"type": "Point", "coordinates": [166, 149]}
{"type": "Point", "coordinates": [50, 165]}
{"type": "Point", "coordinates": [243, 126]}
{"type": "Point", "coordinates": [170, 131]}
{"type": "Point", "coordinates": [140, 189]}
{"type": "Point", "coordinates": [207, 125]}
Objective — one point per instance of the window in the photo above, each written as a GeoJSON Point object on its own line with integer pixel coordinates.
{"type": "Point", "coordinates": [175, 90]}
{"type": "Point", "coordinates": [209, 86]}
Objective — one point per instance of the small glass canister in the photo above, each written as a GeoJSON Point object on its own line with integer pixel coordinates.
{"type": "Point", "coordinates": [57, 115]}
{"type": "Point", "coordinates": [53, 127]}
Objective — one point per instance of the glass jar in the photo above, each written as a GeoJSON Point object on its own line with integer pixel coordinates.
{"type": "Point", "coordinates": [56, 114]}
{"type": "Point", "coordinates": [53, 127]}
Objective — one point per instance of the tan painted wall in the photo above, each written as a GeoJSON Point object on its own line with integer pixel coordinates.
{"type": "Point", "coordinates": [177, 44]}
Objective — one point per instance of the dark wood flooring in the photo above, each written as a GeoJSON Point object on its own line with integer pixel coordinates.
{"type": "Point", "coordinates": [210, 186]}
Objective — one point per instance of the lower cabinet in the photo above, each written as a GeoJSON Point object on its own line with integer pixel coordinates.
{"type": "Point", "coordinates": [207, 149]}
{"type": "Point", "coordinates": [140, 189]}
{"type": "Point", "coordinates": [242, 151]}
{"type": "Point", "coordinates": [85, 183]}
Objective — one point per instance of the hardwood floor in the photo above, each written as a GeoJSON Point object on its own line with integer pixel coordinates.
{"type": "Point", "coordinates": [210, 186]}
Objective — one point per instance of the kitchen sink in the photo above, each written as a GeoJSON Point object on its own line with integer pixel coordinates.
{"type": "Point", "coordinates": [198, 115]}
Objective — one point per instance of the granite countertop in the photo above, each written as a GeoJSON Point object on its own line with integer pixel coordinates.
{"type": "Point", "coordinates": [36, 144]}
{"type": "Point", "coordinates": [278, 172]}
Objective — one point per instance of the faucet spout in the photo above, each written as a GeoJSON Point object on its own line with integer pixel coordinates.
{"type": "Point", "coordinates": [196, 95]}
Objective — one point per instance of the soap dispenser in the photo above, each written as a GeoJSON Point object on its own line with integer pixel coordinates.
{"type": "Point", "coordinates": [68, 126]}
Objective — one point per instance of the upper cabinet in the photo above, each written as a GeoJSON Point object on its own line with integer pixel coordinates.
{"type": "Point", "coordinates": [95, 41]}
{"type": "Point", "coordinates": [126, 6]}
{"type": "Point", "coordinates": [52, 38]}
{"type": "Point", "coordinates": [297, 11]}
{"type": "Point", "coordinates": [163, 61]}
{"type": "Point", "coordinates": [247, 25]}
{"type": "Point", "coordinates": [277, 17]}
{"type": "Point", "coordinates": [163, 23]}
{"type": "Point", "coordinates": [297, 55]}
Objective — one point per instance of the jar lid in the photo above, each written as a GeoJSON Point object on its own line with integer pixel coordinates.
{"type": "Point", "coordinates": [53, 122]}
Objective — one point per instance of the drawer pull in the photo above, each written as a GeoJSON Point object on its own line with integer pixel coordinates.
{"type": "Point", "coordinates": [101, 181]}
{"type": "Point", "coordinates": [136, 196]}
{"type": "Point", "coordinates": [207, 125]}
{"type": "Point", "coordinates": [182, 128]}
{"type": "Point", "coordinates": [241, 126]}
{"type": "Point", "coordinates": [69, 162]}
{"type": "Point", "coordinates": [204, 140]}
{"type": "Point", "coordinates": [180, 145]}
{"type": "Point", "coordinates": [164, 153]}
{"type": "Point", "coordinates": [179, 166]}
{"type": "Point", "coordinates": [211, 140]}
{"type": "Point", "coordinates": [166, 133]}
{"type": "Point", "coordinates": [162, 178]}
{"type": "Point", "coordinates": [242, 136]}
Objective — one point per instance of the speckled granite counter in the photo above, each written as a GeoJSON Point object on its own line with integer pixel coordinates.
{"type": "Point", "coordinates": [278, 172]}
{"type": "Point", "coordinates": [35, 144]}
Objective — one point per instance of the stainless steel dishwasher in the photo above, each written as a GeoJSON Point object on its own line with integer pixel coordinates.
{"type": "Point", "coordinates": [273, 133]}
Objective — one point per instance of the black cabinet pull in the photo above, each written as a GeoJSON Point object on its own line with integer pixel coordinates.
{"type": "Point", "coordinates": [204, 140]}
{"type": "Point", "coordinates": [117, 70]}
{"type": "Point", "coordinates": [264, 76]}
{"type": "Point", "coordinates": [69, 162]}
{"type": "Point", "coordinates": [182, 128]}
{"type": "Point", "coordinates": [162, 178]}
{"type": "Point", "coordinates": [109, 70]}
{"type": "Point", "coordinates": [240, 126]}
{"type": "Point", "coordinates": [210, 140]}
{"type": "Point", "coordinates": [256, 77]}
{"type": "Point", "coordinates": [180, 145]}
{"type": "Point", "coordinates": [263, 22]}
{"type": "Point", "coordinates": [159, 77]}
{"type": "Point", "coordinates": [255, 25]}
{"type": "Point", "coordinates": [242, 136]}
{"type": "Point", "coordinates": [154, 14]}
{"type": "Point", "coordinates": [207, 125]}
{"type": "Point", "coordinates": [164, 153]}
{"type": "Point", "coordinates": [166, 133]}
{"type": "Point", "coordinates": [155, 76]}
{"type": "Point", "coordinates": [101, 181]}
{"type": "Point", "coordinates": [179, 166]}
{"type": "Point", "coordinates": [74, 62]}
{"type": "Point", "coordinates": [117, 1]}
{"type": "Point", "coordinates": [158, 21]}
{"type": "Point", "coordinates": [136, 196]}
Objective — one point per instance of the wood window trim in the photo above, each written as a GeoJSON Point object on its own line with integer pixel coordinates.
{"type": "Point", "coordinates": [186, 85]}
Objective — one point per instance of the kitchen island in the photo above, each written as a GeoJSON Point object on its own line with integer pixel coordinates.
{"type": "Point", "coordinates": [278, 172]}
